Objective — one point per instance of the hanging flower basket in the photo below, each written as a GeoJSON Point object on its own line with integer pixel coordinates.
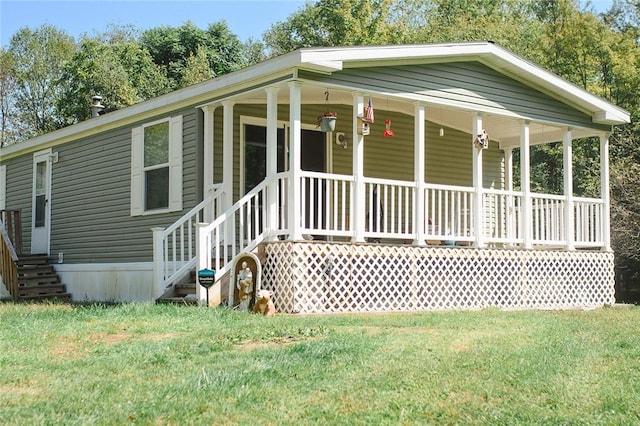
{"type": "Point", "coordinates": [327, 121]}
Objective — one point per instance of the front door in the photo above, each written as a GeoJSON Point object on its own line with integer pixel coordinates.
{"type": "Point", "coordinates": [41, 204]}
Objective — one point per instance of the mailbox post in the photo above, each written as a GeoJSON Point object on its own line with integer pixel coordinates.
{"type": "Point", "coordinates": [206, 278]}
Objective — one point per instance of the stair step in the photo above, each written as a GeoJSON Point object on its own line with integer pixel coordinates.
{"type": "Point", "coordinates": [38, 281]}
{"type": "Point", "coordinates": [29, 274]}
{"type": "Point", "coordinates": [42, 290]}
{"type": "Point", "coordinates": [188, 300]}
{"type": "Point", "coordinates": [182, 290]}
{"type": "Point", "coordinates": [33, 260]}
{"type": "Point", "coordinates": [36, 266]}
{"type": "Point", "coordinates": [30, 270]}
{"type": "Point", "coordinates": [63, 297]}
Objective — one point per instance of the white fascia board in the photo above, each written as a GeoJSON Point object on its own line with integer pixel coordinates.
{"type": "Point", "coordinates": [323, 66]}
{"type": "Point", "coordinates": [392, 52]}
{"type": "Point", "coordinates": [609, 117]}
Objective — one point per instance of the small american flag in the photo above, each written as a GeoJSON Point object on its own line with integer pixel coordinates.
{"type": "Point", "coordinates": [368, 112]}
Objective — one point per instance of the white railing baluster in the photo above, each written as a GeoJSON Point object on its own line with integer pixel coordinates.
{"type": "Point", "coordinates": [408, 210]}
{"type": "Point", "coordinates": [173, 253]}
{"type": "Point", "coordinates": [389, 195]}
{"type": "Point", "coordinates": [338, 206]}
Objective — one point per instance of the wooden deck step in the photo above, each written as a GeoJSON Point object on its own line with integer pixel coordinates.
{"type": "Point", "coordinates": [185, 289]}
{"type": "Point", "coordinates": [42, 290]}
{"type": "Point", "coordinates": [38, 280]}
{"type": "Point", "coordinates": [190, 299]}
{"type": "Point", "coordinates": [62, 297]}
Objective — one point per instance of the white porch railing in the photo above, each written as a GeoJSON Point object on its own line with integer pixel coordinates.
{"type": "Point", "coordinates": [325, 205]}
{"type": "Point", "coordinates": [389, 212]}
{"type": "Point", "coordinates": [240, 228]}
{"type": "Point", "coordinates": [503, 218]}
{"type": "Point", "coordinates": [588, 215]}
{"type": "Point", "coordinates": [548, 219]}
{"type": "Point", "coordinates": [174, 247]}
{"type": "Point", "coordinates": [448, 212]}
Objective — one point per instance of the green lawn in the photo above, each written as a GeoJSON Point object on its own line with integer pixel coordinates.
{"type": "Point", "coordinates": [160, 364]}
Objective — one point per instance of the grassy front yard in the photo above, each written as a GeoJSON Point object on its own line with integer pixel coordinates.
{"type": "Point", "coordinates": [149, 364]}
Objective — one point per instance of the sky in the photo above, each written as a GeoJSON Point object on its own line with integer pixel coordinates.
{"type": "Point", "coordinates": [245, 18]}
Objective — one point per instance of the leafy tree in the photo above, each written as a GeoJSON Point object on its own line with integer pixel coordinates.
{"type": "Point", "coordinates": [196, 68]}
{"type": "Point", "coordinates": [335, 23]}
{"type": "Point", "coordinates": [6, 103]}
{"type": "Point", "coordinates": [37, 59]}
{"type": "Point", "coordinates": [178, 48]}
{"type": "Point", "coordinates": [253, 52]}
{"type": "Point", "coordinates": [123, 73]}
{"type": "Point", "coordinates": [224, 49]}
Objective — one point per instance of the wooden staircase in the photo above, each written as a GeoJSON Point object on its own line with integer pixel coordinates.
{"type": "Point", "coordinates": [37, 280]}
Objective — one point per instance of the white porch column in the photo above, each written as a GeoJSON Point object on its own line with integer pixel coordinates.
{"type": "Point", "coordinates": [227, 166]}
{"type": "Point", "coordinates": [478, 219]}
{"type": "Point", "coordinates": [271, 210]}
{"type": "Point", "coordinates": [604, 191]}
{"type": "Point", "coordinates": [295, 148]}
{"type": "Point", "coordinates": [567, 156]}
{"type": "Point", "coordinates": [508, 169]}
{"type": "Point", "coordinates": [358, 208]}
{"type": "Point", "coordinates": [418, 172]}
{"type": "Point", "coordinates": [525, 185]}
{"type": "Point", "coordinates": [508, 185]}
{"type": "Point", "coordinates": [158, 262]}
{"type": "Point", "coordinates": [208, 163]}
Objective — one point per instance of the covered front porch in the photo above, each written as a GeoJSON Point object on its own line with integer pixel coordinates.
{"type": "Point", "coordinates": [352, 242]}
{"type": "Point", "coordinates": [430, 208]}
{"type": "Point", "coordinates": [430, 214]}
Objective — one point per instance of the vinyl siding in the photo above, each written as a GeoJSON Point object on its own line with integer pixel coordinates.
{"type": "Point", "coordinates": [19, 191]}
{"type": "Point", "coordinates": [447, 159]}
{"type": "Point", "coordinates": [470, 82]}
{"type": "Point", "coordinates": [90, 211]}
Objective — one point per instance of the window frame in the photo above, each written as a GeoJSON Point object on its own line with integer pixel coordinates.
{"type": "Point", "coordinates": [138, 169]}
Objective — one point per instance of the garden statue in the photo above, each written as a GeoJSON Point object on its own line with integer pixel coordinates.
{"type": "Point", "coordinates": [264, 305]}
{"type": "Point", "coordinates": [245, 287]}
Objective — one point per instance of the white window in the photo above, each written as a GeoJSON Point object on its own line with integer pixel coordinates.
{"type": "Point", "coordinates": [156, 167]}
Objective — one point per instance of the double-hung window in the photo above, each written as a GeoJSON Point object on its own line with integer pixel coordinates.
{"type": "Point", "coordinates": [156, 167]}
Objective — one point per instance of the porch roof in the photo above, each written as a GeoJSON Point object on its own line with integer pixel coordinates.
{"type": "Point", "coordinates": [488, 53]}
{"type": "Point", "coordinates": [331, 59]}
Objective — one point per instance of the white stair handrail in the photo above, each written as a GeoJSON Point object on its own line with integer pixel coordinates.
{"type": "Point", "coordinates": [245, 213]}
{"type": "Point", "coordinates": [174, 246]}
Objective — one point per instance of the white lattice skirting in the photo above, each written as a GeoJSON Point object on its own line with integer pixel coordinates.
{"type": "Point", "coordinates": [314, 277]}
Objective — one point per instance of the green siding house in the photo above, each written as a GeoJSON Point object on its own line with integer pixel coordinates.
{"type": "Point", "coordinates": [411, 207]}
